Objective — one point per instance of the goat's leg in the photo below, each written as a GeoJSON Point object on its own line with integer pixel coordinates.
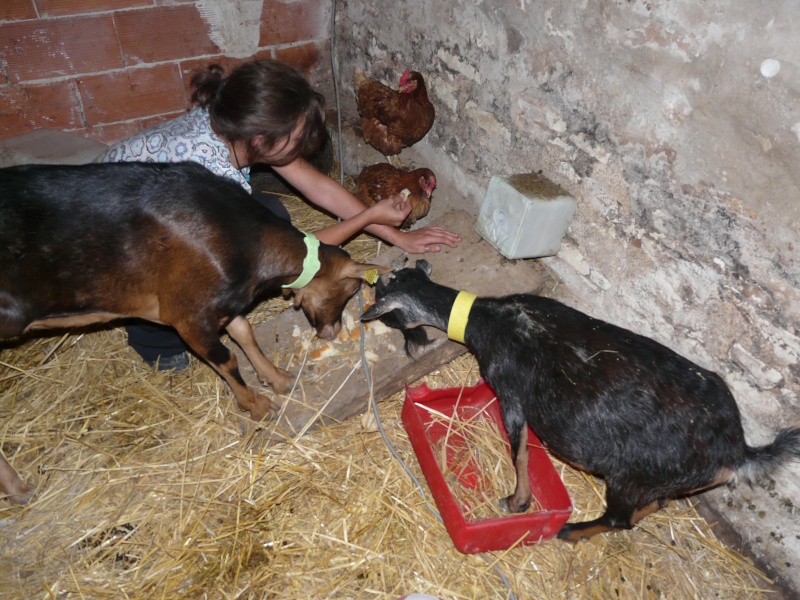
{"type": "Point", "coordinates": [209, 347]}
{"type": "Point", "coordinates": [619, 515]}
{"type": "Point", "coordinates": [520, 500]}
{"type": "Point", "coordinates": [17, 491]}
{"type": "Point", "coordinates": [242, 333]}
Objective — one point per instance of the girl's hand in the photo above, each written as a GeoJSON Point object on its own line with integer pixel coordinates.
{"type": "Point", "coordinates": [389, 211]}
{"type": "Point", "coordinates": [427, 239]}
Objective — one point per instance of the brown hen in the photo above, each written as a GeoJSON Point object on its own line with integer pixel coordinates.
{"type": "Point", "coordinates": [390, 119]}
{"type": "Point", "coordinates": [376, 182]}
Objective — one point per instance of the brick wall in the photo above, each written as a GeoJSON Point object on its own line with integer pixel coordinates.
{"type": "Point", "coordinates": [107, 68]}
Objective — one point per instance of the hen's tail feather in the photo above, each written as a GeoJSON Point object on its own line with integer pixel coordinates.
{"type": "Point", "coordinates": [761, 461]}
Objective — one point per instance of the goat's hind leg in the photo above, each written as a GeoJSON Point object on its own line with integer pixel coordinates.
{"type": "Point", "coordinates": [17, 491]}
{"type": "Point", "coordinates": [619, 515]}
{"type": "Point", "coordinates": [520, 500]}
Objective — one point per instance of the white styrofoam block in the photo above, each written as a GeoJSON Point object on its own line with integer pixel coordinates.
{"type": "Point", "coordinates": [525, 215]}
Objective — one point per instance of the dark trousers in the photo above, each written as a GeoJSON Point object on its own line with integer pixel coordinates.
{"type": "Point", "coordinates": [152, 341]}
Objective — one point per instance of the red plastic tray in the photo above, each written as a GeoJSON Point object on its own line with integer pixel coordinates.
{"type": "Point", "coordinates": [482, 535]}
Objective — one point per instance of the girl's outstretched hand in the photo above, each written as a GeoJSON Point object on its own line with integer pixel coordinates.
{"type": "Point", "coordinates": [427, 239]}
{"type": "Point", "coordinates": [389, 211]}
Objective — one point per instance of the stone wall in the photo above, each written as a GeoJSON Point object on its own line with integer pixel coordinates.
{"type": "Point", "coordinates": [683, 157]}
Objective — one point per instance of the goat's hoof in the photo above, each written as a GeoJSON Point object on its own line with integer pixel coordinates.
{"type": "Point", "coordinates": [259, 415]}
{"type": "Point", "coordinates": [21, 494]}
{"type": "Point", "coordinates": [573, 536]}
{"type": "Point", "coordinates": [281, 388]}
{"type": "Point", "coordinates": [511, 505]}
{"type": "Point", "coordinates": [283, 383]}
{"type": "Point", "coordinates": [263, 409]}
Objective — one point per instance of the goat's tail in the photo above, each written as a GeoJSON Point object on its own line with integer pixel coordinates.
{"type": "Point", "coordinates": [761, 461]}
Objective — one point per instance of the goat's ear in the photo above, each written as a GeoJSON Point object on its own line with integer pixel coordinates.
{"type": "Point", "coordinates": [424, 266]}
{"type": "Point", "coordinates": [362, 271]}
{"type": "Point", "coordinates": [399, 262]}
{"type": "Point", "coordinates": [377, 310]}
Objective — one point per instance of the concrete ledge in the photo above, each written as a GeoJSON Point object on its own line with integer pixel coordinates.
{"type": "Point", "coordinates": [48, 146]}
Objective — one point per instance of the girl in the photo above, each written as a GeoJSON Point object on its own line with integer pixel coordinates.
{"type": "Point", "coordinates": [263, 112]}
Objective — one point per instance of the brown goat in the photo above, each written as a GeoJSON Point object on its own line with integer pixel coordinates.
{"type": "Point", "coordinates": [169, 243]}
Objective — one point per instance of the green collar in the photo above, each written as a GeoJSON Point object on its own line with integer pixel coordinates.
{"type": "Point", "coordinates": [310, 263]}
{"type": "Point", "coordinates": [459, 315]}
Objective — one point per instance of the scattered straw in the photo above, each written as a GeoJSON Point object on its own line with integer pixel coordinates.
{"type": "Point", "coordinates": [145, 488]}
{"type": "Point", "coordinates": [474, 459]}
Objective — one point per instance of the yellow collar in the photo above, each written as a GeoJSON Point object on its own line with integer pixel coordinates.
{"type": "Point", "coordinates": [459, 315]}
{"type": "Point", "coordinates": [311, 264]}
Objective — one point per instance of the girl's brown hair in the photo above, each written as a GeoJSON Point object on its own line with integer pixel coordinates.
{"type": "Point", "coordinates": [262, 98]}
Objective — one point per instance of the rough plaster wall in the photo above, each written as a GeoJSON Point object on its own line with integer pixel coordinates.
{"type": "Point", "coordinates": [683, 158]}
{"type": "Point", "coordinates": [234, 25]}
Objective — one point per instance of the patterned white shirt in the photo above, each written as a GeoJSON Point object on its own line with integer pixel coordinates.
{"type": "Point", "coordinates": [188, 137]}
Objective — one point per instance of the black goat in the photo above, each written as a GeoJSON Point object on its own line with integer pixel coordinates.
{"type": "Point", "coordinates": [619, 405]}
{"type": "Point", "coordinates": [170, 243]}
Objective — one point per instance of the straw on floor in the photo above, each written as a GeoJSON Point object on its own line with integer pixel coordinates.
{"type": "Point", "coordinates": [146, 488]}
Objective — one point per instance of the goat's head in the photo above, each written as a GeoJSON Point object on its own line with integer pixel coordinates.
{"type": "Point", "coordinates": [325, 297]}
{"type": "Point", "coordinates": [403, 301]}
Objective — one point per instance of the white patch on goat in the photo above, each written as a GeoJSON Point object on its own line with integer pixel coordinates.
{"type": "Point", "coordinates": [387, 305]}
{"type": "Point", "coordinates": [528, 323]}
{"type": "Point", "coordinates": [580, 352]}
{"type": "Point", "coordinates": [417, 315]}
